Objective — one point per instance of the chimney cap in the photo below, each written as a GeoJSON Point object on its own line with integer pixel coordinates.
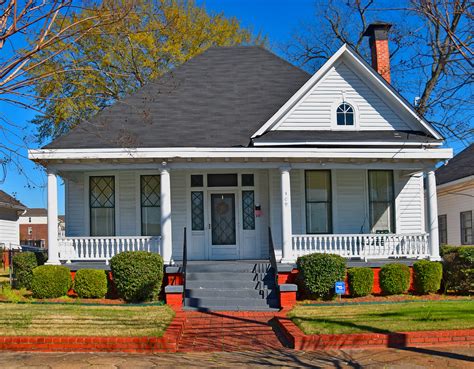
{"type": "Point", "coordinates": [378, 30]}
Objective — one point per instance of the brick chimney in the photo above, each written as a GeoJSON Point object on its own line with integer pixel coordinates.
{"type": "Point", "coordinates": [378, 40]}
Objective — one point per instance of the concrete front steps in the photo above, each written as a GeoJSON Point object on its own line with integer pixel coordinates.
{"type": "Point", "coordinates": [242, 285]}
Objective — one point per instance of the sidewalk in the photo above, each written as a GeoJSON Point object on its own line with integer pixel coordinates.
{"type": "Point", "coordinates": [434, 357]}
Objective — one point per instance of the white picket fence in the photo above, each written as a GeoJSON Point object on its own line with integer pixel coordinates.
{"type": "Point", "coordinates": [364, 246]}
{"type": "Point", "coordinates": [104, 248]}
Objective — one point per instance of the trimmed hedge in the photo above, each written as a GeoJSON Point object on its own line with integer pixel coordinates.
{"type": "Point", "coordinates": [137, 275]}
{"type": "Point", "coordinates": [361, 281]}
{"type": "Point", "coordinates": [428, 275]}
{"type": "Point", "coordinates": [458, 268]}
{"type": "Point", "coordinates": [51, 281]}
{"type": "Point", "coordinates": [23, 265]}
{"type": "Point", "coordinates": [90, 283]}
{"type": "Point", "coordinates": [394, 279]}
{"type": "Point", "coordinates": [319, 272]}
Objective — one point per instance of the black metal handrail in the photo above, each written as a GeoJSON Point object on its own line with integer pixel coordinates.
{"type": "Point", "coordinates": [271, 254]}
{"type": "Point", "coordinates": [185, 262]}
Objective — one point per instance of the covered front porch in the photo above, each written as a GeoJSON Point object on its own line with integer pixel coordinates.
{"type": "Point", "coordinates": [225, 213]}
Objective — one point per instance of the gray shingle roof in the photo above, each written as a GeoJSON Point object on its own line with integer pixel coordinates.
{"type": "Point", "coordinates": [217, 99]}
{"type": "Point", "coordinates": [9, 201]}
{"type": "Point", "coordinates": [461, 166]}
{"type": "Point", "coordinates": [344, 137]}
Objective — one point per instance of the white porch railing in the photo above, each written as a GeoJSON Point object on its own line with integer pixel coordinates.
{"type": "Point", "coordinates": [364, 246]}
{"type": "Point", "coordinates": [104, 248]}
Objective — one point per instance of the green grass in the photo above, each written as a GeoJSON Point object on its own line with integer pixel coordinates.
{"type": "Point", "coordinates": [77, 320]}
{"type": "Point", "coordinates": [384, 318]}
{"type": "Point", "coordinates": [4, 275]}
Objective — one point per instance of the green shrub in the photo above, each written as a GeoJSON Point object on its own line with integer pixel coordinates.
{"type": "Point", "coordinates": [458, 268]}
{"type": "Point", "coordinates": [23, 265]}
{"type": "Point", "coordinates": [361, 281]}
{"type": "Point", "coordinates": [394, 279]}
{"type": "Point", "coordinates": [51, 281]}
{"type": "Point", "coordinates": [90, 283]}
{"type": "Point", "coordinates": [137, 275]}
{"type": "Point", "coordinates": [428, 275]}
{"type": "Point", "coordinates": [317, 273]}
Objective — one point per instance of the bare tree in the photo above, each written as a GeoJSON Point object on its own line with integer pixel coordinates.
{"type": "Point", "coordinates": [431, 50]}
{"type": "Point", "coordinates": [28, 27]}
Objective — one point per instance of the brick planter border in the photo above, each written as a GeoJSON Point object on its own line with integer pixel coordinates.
{"type": "Point", "coordinates": [167, 343]}
{"type": "Point", "coordinates": [300, 341]}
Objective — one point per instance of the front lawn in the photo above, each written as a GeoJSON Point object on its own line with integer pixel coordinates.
{"type": "Point", "coordinates": [384, 318]}
{"type": "Point", "coordinates": [80, 320]}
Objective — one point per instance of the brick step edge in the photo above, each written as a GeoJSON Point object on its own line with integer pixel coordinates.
{"type": "Point", "coordinates": [167, 343]}
{"type": "Point", "coordinates": [300, 341]}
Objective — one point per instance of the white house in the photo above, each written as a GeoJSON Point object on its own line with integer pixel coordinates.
{"type": "Point", "coordinates": [238, 141]}
{"type": "Point", "coordinates": [455, 185]}
{"type": "Point", "coordinates": [10, 211]}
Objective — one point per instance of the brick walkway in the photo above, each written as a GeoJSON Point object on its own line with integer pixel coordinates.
{"type": "Point", "coordinates": [228, 331]}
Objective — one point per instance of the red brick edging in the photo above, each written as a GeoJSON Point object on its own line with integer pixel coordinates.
{"type": "Point", "coordinates": [300, 341]}
{"type": "Point", "coordinates": [167, 343]}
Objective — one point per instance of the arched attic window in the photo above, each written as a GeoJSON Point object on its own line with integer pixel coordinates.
{"type": "Point", "coordinates": [345, 115]}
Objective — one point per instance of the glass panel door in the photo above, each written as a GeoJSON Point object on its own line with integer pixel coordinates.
{"type": "Point", "coordinates": [223, 219]}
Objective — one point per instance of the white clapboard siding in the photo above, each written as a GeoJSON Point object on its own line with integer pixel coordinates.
{"type": "Point", "coordinates": [75, 205]}
{"type": "Point", "coordinates": [350, 214]}
{"type": "Point", "coordinates": [409, 203]}
{"type": "Point", "coordinates": [127, 183]}
{"type": "Point", "coordinates": [178, 211]}
{"type": "Point", "coordinates": [314, 111]}
{"type": "Point", "coordinates": [451, 202]}
{"type": "Point", "coordinates": [9, 227]}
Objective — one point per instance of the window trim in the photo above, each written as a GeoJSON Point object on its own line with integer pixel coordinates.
{"type": "Point", "coordinates": [393, 212]}
{"type": "Point", "coordinates": [444, 230]}
{"type": "Point", "coordinates": [88, 194]}
{"type": "Point", "coordinates": [462, 227]}
{"type": "Point", "coordinates": [335, 105]}
{"type": "Point", "coordinates": [330, 201]}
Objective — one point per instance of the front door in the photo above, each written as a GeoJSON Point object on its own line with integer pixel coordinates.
{"type": "Point", "coordinates": [223, 233]}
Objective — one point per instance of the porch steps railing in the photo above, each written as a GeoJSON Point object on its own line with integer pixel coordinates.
{"type": "Point", "coordinates": [364, 246]}
{"type": "Point", "coordinates": [104, 248]}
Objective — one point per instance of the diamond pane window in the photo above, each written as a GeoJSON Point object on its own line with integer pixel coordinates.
{"type": "Point", "coordinates": [345, 115]}
{"type": "Point", "coordinates": [197, 210]}
{"type": "Point", "coordinates": [248, 213]}
{"type": "Point", "coordinates": [102, 206]}
{"type": "Point", "coordinates": [150, 205]}
{"type": "Point", "coordinates": [247, 180]}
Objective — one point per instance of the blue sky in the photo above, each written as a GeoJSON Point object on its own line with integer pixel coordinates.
{"type": "Point", "coordinates": [277, 19]}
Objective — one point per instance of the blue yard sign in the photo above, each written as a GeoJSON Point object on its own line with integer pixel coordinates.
{"type": "Point", "coordinates": [340, 288]}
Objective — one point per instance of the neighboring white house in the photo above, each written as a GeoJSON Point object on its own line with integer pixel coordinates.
{"type": "Point", "coordinates": [10, 211]}
{"type": "Point", "coordinates": [455, 184]}
{"type": "Point", "coordinates": [238, 141]}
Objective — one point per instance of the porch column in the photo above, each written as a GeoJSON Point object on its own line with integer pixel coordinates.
{"type": "Point", "coordinates": [53, 249]}
{"type": "Point", "coordinates": [286, 215]}
{"type": "Point", "coordinates": [432, 203]}
{"type": "Point", "coordinates": [165, 206]}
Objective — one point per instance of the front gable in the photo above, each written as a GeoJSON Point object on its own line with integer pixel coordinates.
{"type": "Point", "coordinates": [346, 78]}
